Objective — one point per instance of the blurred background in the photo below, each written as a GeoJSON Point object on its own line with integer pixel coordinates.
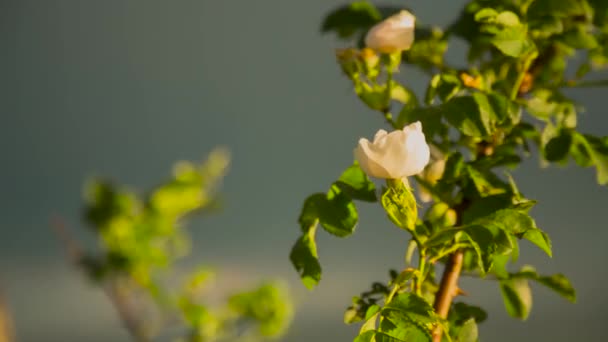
{"type": "Point", "coordinates": [125, 88]}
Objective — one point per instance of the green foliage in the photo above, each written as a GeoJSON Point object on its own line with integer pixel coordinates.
{"type": "Point", "coordinates": [351, 19]}
{"type": "Point", "coordinates": [517, 297]}
{"type": "Point", "coordinates": [480, 115]}
{"type": "Point", "coordinates": [400, 205]}
{"type": "Point", "coordinates": [305, 259]}
{"type": "Point", "coordinates": [337, 215]}
{"type": "Point", "coordinates": [266, 305]}
{"type": "Point", "coordinates": [505, 32]}
{"type": "Point", "coordinates": [406, 318]}
{"type": "Point", "coordinates": [141, 238]}
{"type": "Point", "coordinates": [557, 282]}
{"type": "Point", "coordinates": [479, 119]}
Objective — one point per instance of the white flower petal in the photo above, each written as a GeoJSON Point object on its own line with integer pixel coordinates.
{"type": "Point", "coordinates": [366, 158]}
{"type": "Point", "coordinates": [394, 155]}
{"type": "Point", "coordinates": [395, 33]}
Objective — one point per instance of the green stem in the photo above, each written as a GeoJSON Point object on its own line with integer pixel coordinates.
{"type": "Point", "coordinates": [392, 294]}
{"type": "Point", "coordinates": [422, 269]}
{"type": "Point", "coordinates": [386, 112]}
{"type": "Point", "coordinates": [447, 252]}
{"type": "Point", "coordinates": [585, 84]}
{"type": "Point", "coordinates": [522, 73]}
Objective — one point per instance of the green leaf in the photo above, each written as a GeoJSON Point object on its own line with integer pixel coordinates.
{"type": "Point", "coordinates": [430, 117]}
{"type": "Point", "coordinates": [267, 306]}
{"type": "Point", "coordinates": [546, 26]}
{"type": "Point", "coordinates": [462, 312]}
{"type": "Point", "coordinates": [442, 236]}
{"type": "Point", "coordinates": [428, 49]}
{"type": "Point", "coordinates": [335, 212]}
{"type": "Point", "coordinates": [444, 86]}
{"type": "Point", "coordinates": [540, 239]}
{"type": "Point", "coordinates": [454, 168]}
{"type": "Point", "coordinates": [469, 114]}
{"type": "Point", "coordinates": [485, 183]}
{"type": "Point", "coordinates": [557, 282]}
{"type": "Point", "coordinates": [105, 202]}
{"type": "Point", "coordinates": [486, 15]}
{"type": "Point", "coordinates": [350, 19]}
{"type": "Point", "coordinates": [409, 318]}
{"type": "Point", "coordinates": [560, 284]}
{"type": "Point", "coordinates": [488, 241]}
{"type": "Point", "coordinates": [506, 112]}
{"type": "Point", "coordinates": [355, 183]}
{"type": "Point", "coordinates": [508, 18]}
{"type": "Point", "coordinates": [413, 306]}
{"type": "Point", "coordinates": [600, 12]}
{"type": "Point", "coordinates": [468, 332]}
{"type": "Point", "coordinates": [404, 95]}
{"type": "Point", "coordinates": [479, 115]}
{"type": "Point", "coordinates": [309, 217]}
{"type": "Point", "coordinates": [545, 104]}
{"type": "Point", "coordinates": [400, 205]}
{"type": "Point", "coordinates": [559, 8]}
{"type": "Point", "coordinates": [486, 206]}
{"type": "Point", "coordinates": [579, 38]}
{"type": "Point", "coordinates": [558, 147]}
{"type": "Point", "coordinates": [368, 336]}
{"type": "Point", "coordinates": [338, 215]}
{"type": "Point", "coordinates": [513, 41]}
{"type": "Point", "coordinates": [517, 297]}
{"type": "Point", "coordinates": [305, 259]}
{"type": "Point", "coordinates": [597, 150]}
{"type": "Point", "coordinates": [403, 331]}
{"type": "Point", "coordinates": [506, 32]}
{"type": "Point", "coordinates": [374, 96]}
{"type": "Point", "coordinates": [509, 220]}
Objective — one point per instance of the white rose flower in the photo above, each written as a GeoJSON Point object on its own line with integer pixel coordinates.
{"type": "Point", "coordinates": [393, 34]}
{"type": "Point", "coordinates": [394, 155]}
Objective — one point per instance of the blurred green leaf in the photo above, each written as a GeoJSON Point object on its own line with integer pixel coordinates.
{"type": "Point", "coordinates": [597, 150]}
{"type": "Point", "coordinates": [462, 312]}
{"type": "Point", "coordinates": [557, 282]}
{"type": "Point", "coordinates": [468, 332]}
{"type": "Point", "coordinates": [479, 115]}
{"type": "Point", "coordinates": [444, 86]}
{"type": "Point", "coordinates": [350, 19]}
{"type": "Point", "coordinates": [513, 41]}
{"type": "Point", "coordinates": [558, 148]}
{"type": "Point", "coordinates": [105, 202]}
{"type": "Point", "coordinates": [267, 307]}
{"type": "Point", "coordinates": [428, 49]}
{"type": "Point", "coordinates": [579, 38]}
{"type": "Point", "coordinates": [355, 183]}
{"type": "Point", "coordinates": [540, 239]}
{"type": "Point", "coordinates": [559, 8]}
{"type": "Point", "coordinates": [517, 297]}
{"type": "Point", "coordinates": [305, 259]}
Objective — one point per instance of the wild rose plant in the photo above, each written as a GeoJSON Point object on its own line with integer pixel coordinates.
{"type": "Point", "coordinates": [458, 143]}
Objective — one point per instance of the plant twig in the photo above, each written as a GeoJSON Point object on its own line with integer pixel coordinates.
{"type": "Point", "coordinates": [117, 297]}
{"type": "Point", "coordinates": [6, 323]}
{"type": "Point", "coordinates": [448, 289]}
{"type": "Point", "coordinates": [522, 74]}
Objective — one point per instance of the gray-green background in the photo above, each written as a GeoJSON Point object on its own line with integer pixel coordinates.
{"type": "Point", "coordinates": [124, 88]}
